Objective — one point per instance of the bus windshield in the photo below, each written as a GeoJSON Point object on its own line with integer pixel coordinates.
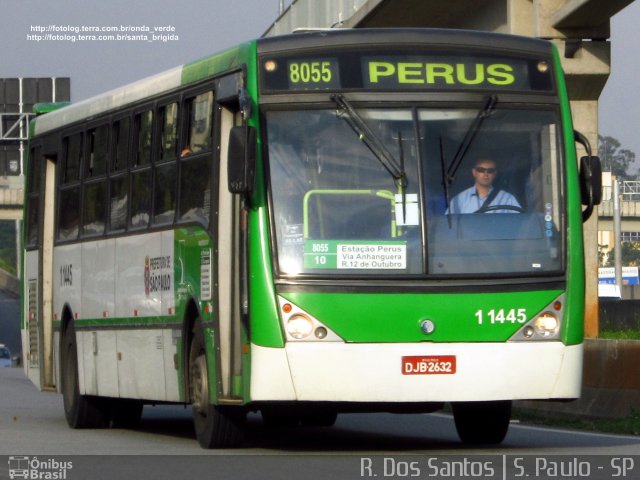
{"type": "Point", "coordinates": [475, 198]}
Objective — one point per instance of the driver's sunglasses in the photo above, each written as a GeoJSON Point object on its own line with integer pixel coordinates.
{"type": "Point", "coordinates": [490, 171]}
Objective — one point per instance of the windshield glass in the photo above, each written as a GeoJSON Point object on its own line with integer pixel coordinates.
{"type": "Point", "coordinates": [461, 198]}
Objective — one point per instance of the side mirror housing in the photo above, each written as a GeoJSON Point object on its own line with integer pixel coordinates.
{"type": "Point", "coordinates": [590, 180]}
{"type": "Point", "coordinates": [241, 160]}
{"type": "Point", "coordinates": [590, 177]}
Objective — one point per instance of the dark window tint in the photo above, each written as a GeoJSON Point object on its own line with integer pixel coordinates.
{"type": "Point", "coordinates": [98, 151]}
{"type": "Point", "coordinates": [95, 195]}
{"type": "Point", "coordinates": [69, 214]}
{"type": "Point", "coordinates": [73, 157]}
{"type": "Point", "coordinates": [140, 199]}
{"type": "Point", "coordinates": [120, 144]}
{"type": "Point", "coordinates": [169, 132]}
{"type": "Point", "coordinates": [195, 191]}
{"type": "Point", "coordinates": [144, 130]}
{"type": "Point", "coordinates": [119, 200]}
{"type": "Point", "coordinates": [165, 194]}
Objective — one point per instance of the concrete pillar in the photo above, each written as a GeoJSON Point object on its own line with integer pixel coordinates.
{"type": "Point", "coordinates": [587, 66]}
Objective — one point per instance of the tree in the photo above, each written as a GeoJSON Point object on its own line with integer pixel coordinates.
{"type": "Point", "coordinates": [630, 255]}
{"type": "Point", "coordinates": [615, 159]}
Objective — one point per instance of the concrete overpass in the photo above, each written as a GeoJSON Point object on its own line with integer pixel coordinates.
{"type": "Point", "coordinates": [579, 28]}
{"type": "Point", "coordinates": [17, 98]}
{"type": "Point", "coordinates": [13, 133]}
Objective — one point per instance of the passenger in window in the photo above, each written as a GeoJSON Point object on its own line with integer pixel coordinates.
{"type": "Point", "coordinates": [483, 197]}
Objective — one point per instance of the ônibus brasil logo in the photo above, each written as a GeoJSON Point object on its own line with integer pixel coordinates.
{"type": "Point", "coordinates": [33, 468]}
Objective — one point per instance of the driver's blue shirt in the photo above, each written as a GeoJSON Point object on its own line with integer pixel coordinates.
{"type": "Point", "coordinates": [468, 201]}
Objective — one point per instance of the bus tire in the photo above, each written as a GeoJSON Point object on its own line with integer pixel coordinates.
{"type": "Point", "coordinates": [216, 426]}
{"type": "Point", "coordinates": [81, 411]}
{"type": "Point", "coordinates": [482, 422]}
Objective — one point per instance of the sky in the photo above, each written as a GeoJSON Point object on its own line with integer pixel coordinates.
{"type": "Point", "coordinates": [199, 27]}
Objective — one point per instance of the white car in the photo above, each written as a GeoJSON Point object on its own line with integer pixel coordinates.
{"type": "Point", "coordinates": [5, 356]}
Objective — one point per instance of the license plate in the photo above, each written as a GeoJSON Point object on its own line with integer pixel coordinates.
{"type": "Point", "coordinates": [436, 365]}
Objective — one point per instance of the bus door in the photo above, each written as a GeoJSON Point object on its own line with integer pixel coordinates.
{"type": "Point", "coordinates": [38, 349]}
{"type": "Point", "coordinates": [231, 248]}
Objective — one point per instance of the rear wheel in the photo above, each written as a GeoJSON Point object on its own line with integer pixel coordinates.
{"type": "Point", "coordinates": [482, 422]}
{"type": "Point", "coordinates": [216, 426]}
{"type": "Point", "coordinates": [81, 411]}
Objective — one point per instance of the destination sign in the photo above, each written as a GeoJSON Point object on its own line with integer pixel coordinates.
{"type": "Point", "coordinates": [418, 72]}
{"type": "Point", "coordinates": [366, 70]}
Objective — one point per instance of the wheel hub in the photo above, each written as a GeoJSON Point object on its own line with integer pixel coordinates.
{"type": "Point", "coordinates": [199, 384]}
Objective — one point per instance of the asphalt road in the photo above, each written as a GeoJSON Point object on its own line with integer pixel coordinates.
{"type": "Point", "coordinates": [32, 426]}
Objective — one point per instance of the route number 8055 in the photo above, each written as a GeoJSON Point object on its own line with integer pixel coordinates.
{"type": "Point", "coordinates": [310, 72]}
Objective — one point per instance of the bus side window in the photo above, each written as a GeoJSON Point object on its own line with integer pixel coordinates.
{"type": "Point", "coordinates": [119, 196]}
{"type": "Point", "coordinates": [165, 194]}
{"type": "Point", "coordinates": [200, 111]}
{"type": "Point", "coordinates": [141, 174]}
{"type": "Point", "coordinates": [143, 131]}
{"type": "Point", "coordinates": [169, 131]}
{"type": "Point", "coordinates": [119, 177]}
{"type": "Point", "coordinates": [165, 178]}
{"type": "Point", "coordinates": [195, 170]}
{"type": "Point", "coordinates": [195, 194]}
{"type": "Point", "coordinates": [140, 198]}
{"type": "Point", "coordinates": [95, 187]}
{"type": "Point", "coordinates": [69, 194]}
{"type": "Point", "coordinates": [69, 216]}
{"type": "Point", "coordinates": [98, 151]}
{"type": "Point", "coordinates": [73, 157]}
{"type": "Point", "coordinates": [33, 196]}
{"type": "Point", "coordinates": [94, 207]}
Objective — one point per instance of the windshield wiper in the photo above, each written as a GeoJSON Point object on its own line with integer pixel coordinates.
{"type": "Point", "coordinates": [467, 141]}
{"type": "Point", "coordinates": [377, 147]}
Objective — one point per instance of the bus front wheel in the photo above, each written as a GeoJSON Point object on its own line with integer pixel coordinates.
{"type": "Point", "coordinates": [81, 411]}
{"type": "Point", "coordinates": [216, 426]}
{"type": "Point", "coordinates": [482, 422]}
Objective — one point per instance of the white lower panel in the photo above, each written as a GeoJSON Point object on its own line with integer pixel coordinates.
{"type": "Point", "coordinates": [373, 372]}
{"type": "Point", "coordinates": [129, 364]}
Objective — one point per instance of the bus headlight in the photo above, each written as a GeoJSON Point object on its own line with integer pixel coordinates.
{"type": "Point", "coordinates": [546, 325]}
{"type": "Point", "coordinates": [299, 326]}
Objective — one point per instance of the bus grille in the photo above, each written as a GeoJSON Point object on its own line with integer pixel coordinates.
{"type": "Point", "coordinates": [33, 324]}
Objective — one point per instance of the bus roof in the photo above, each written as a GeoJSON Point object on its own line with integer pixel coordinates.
{"type": "Point", "coordinates": [226, 60]}
{"type": "Point", "coordinates": [143, 89]}
{"type": "Point", "coordinates": [406, 36]}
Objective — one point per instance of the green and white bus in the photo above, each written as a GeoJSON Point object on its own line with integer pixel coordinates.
{"type": "Point", "coordinates": [271, 229]}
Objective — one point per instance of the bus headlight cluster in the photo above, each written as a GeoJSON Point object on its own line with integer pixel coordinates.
{"type": "Point", "coordinates": [544, 326]}
{"type": "Point", "coordinates": [301, 326]}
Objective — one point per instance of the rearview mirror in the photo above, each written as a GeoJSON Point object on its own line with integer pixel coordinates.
{"type": "Point", "coordinates": [590, 180]}
{"type": "Point", "coordinates": [241, 160]}
{"type": "Point", "coordinates": [590, 177]}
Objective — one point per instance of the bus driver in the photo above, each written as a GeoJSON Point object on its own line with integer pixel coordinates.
{"type": "Point", "coordinates": [482, 194]}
